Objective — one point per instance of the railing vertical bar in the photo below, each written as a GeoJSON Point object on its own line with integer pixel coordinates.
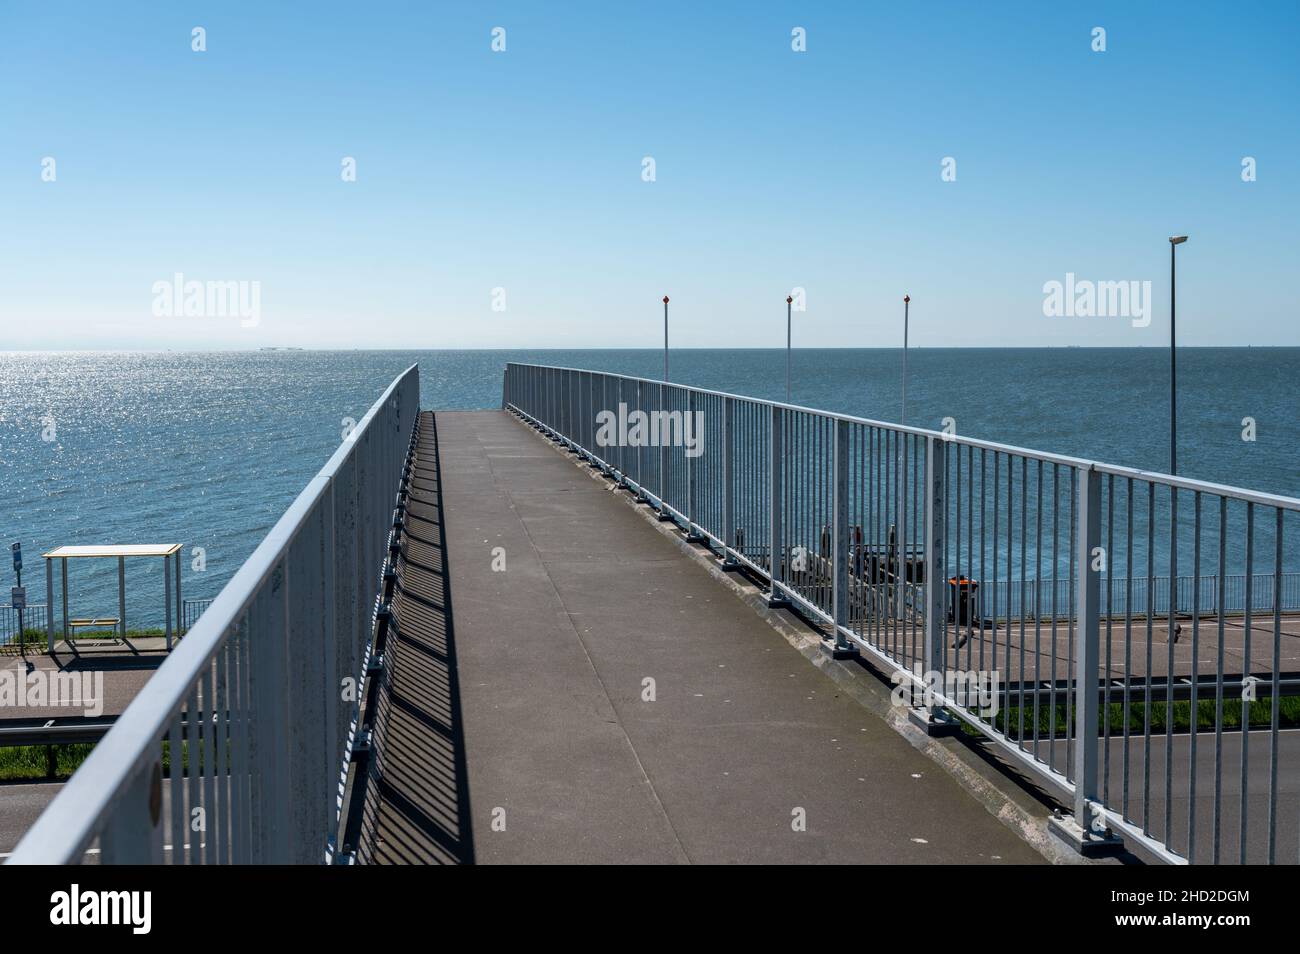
{"type": "Point", "coordinates": [1128, 641]}
{"type": "Point", "coordinates": [1038, 615]}
{"type": "Point", "coordinates": [776, 502]}
{"type": "Point", "coordinates": [1075, 572]}
{"type": "Point", "coordinates": [1194, 720]}
{"type": "Point", "coordinates": [1056, 648]}
{"type": "Point", "coordinates": [1146, 719]}
{"type": "Point", "coordinates": [1024, 563]}
{"type": "Point", "coordinates": [194, 756]}
{"type": "Point", "coordinates": [1246, 671]}
{"type": "Point", "coordinates": [1088, 517]}
{"type": "Point", "coordinates": [840, 537]}
{"type": "Point", "coordinates": [219, 822]}
{"type": "Point", "coordinates": [1171, 635]}
{"type": "Point", "coordinates": [1011, 464]}
{"type": "Point", "coordinates": [728, 481]}
{"type": "Point", "coordinates": [1107, 681]}
{"type": "Point", "coordinates": [935, 624]}
{"type": "Point", "coordinates": [175, 787]}
{"type": "Point", "coordinates": [210, 709]}
{"type": "Point", "coordinates": [1218, 682]}
{"type": "Point", "coordinates": [1276, 692]}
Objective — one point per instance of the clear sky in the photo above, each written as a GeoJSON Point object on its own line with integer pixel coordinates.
{"type": "Point", "coordinates": [522, 170]}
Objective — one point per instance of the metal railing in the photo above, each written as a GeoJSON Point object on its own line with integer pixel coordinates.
{"type": "Point", "coordinates": [34, 618]}
{"type": "Point", "coordinates": [237, 748]}
{"type": "Point", "coordinates": [1087, 685]}
{"type": "Point", "coordinates": [191, 610]}
{"type": "Point", "coordinates": [1032, 598]}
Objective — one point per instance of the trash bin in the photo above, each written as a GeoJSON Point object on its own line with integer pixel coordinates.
{"type": "Point", "coordinates": [965, 600]}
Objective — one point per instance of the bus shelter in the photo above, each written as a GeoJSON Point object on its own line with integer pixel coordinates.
{"type": "Point", "coordinates": [168, 552]}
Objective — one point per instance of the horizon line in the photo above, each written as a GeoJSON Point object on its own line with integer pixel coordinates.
{"type": "Point", "coordinates": [653, 350]}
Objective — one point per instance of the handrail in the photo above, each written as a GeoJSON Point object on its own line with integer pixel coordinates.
{"type": "Point", "coordinates": [351, 493]}
{"type": "Point", "coordinates": [1183, 483]}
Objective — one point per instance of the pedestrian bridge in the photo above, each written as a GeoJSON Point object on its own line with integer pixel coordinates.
{"type": "Point", "coordinates": [497, 637]}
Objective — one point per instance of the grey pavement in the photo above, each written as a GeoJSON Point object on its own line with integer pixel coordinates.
{"type": "Point", "coordinates": [20, 804]}
{"type": "Point", "coordinates": [569, 761]}
{"type": "Point", "coordinates": [124, 674]}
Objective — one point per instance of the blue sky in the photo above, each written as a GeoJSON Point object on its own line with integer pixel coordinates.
{"type": "Point", "coordinates": [522, 170]}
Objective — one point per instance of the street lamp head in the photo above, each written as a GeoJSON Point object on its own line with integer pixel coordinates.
{"type": "Point", "coordinates": [665, 299]}
{"type": "Point", "coordinates": [906, 299]}
{"type": "Point", "coordinates": [1177, 239]}
{"type": "Point", "coordinates": [789, 299]}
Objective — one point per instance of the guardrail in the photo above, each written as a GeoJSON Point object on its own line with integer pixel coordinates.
{"type": "Point", "coordinates": [191, 610]}
{"type": "Point", "coordinates": [237, 748]}
{"type": "Point", "coordinates": [1032, 598]}
{"type": "Point", "coordinates": [34, 618]}
{"type": "Point", "coordinates": [780, 490]}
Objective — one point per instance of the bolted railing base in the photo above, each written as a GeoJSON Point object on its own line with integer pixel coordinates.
{"type": "Point", "coordinates": [1090, 844]}
{"type": "Point", "coordinates": [934, 722]}
{"type": "Point", "coordinates": [839, 651]}
{"type": "Point", "coordinates": [776, 601]}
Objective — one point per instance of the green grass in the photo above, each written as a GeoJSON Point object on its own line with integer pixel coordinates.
{"type": "Point", "coordinates": [1260, 715]}
{"type": "Point", "coordinates": [37, 637]}
{"type": "Point", "coordinates": [35, 762]}
{"type": "Point", "coordinates": [57, 762]}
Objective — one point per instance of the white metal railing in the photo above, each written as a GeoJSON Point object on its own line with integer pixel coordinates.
{"type": "Point", "coordinates": [768, 484]}
{"type": "Point", "coordinates": [34, 619]}
{"type": "Point", "coordinates": [1016, 598]}
{"type": "Point", "coordinates": [236, 750]}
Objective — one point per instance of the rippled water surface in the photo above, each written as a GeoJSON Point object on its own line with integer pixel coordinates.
{"type": "Point", "coordinates": [207, 449]}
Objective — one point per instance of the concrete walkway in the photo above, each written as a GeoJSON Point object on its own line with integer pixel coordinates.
{"type": "Point", "coordinates": [619, 705]}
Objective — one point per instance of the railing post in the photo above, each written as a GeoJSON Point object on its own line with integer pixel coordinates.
{"type": "Point", "coordinates": [620, 404]}
{"type": "Point", "coordinates": [167, 585]}
{"type": "Point", "coordinates": [839, 647]}
{"type": "Point", "coordinates": [1086, 831]}
{"type": "Point", "coordinates": [49, 606]}
{"type": "Point", "coordinates": [930, 717]}
{"type": "Point", "coordinates": [640, 450]}
{"type": "Point", "coordinates": [663, 453]}
{"type": "Point", "coordinates": [775, 500]}
{"type": "Point", "coordinates": [728, 484]}
{"type": "Point", "coordinates": [693, 534]}
{"type": "Point", "coordinates": [899, 554]}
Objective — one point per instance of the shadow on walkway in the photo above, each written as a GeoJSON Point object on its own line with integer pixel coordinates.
{"type": "Point", "coordinates": [417, 795]}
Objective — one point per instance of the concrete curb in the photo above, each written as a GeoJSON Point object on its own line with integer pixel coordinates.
{"type": "Point", "coordinates": [1011, 804]}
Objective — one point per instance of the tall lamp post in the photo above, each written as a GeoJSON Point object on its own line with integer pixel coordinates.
{"type": "Point", "coordinates": [789, 300]}
{"type": "Point", "coordinates": [665, 337]}
{"type": "Point", "coordinates": [1174, 242]}
{"type": "Point", "coordinates": [906, 300]}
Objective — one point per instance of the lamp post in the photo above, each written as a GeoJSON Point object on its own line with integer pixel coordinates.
{"type": "Point", "coordinates": [1174, 242]}
{"type": "Point", "coordinates": [789, 299]}
{"type": "Point", "coordinates": [906, 300]}
{"type": "Point", "coordinates": [665, 337]}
